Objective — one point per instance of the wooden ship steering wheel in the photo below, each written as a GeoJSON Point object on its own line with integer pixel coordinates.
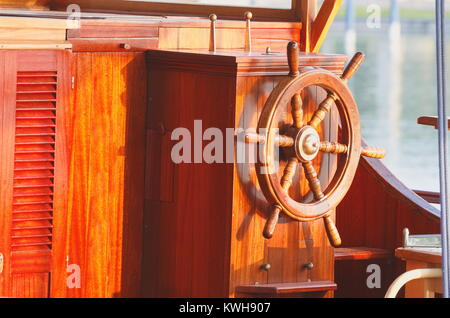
{"type": "Point", "coordinates": [300, 144]}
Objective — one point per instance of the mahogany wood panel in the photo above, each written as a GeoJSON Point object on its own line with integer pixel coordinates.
{"type": "Point", "coordinates": [204, 224]}
{"type": "Point", "coordinates": [114, 30]}
{"type": "Point", "coordinates": [114, 45]}
{"type": "Point", "coordinates": [226, 38]}
{"type": "Point", "coordinates": [106, 174]}
{"type": "Point", "coordinates": [374, 213]}
{"type": "Point", "coordinates": [186, 229]}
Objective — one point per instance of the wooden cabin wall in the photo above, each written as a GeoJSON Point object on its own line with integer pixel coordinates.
{"type": "Point", "coordinates": [373, 214]}
{"type": "Point", "coordinates": [169, 34]}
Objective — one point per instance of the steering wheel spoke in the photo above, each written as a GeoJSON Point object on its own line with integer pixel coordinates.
{"type": "Point", "coordinates": [333, 147]}
{"type": "Point", "coordinates": [297, 111]}
{"type": "Point", "coordinates": [289, 173]}
{"type": "Point", "coordinates": [280, 140]}
{"type": "Point", "coordinates": [373, 152]}
{"type": "Point", "coordinates": [323, 109]}
{"type": "Point", "coordinates": [313, 180]}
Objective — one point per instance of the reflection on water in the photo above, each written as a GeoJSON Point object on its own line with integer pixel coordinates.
{"type": "Point", "coordinates": [395, 85]}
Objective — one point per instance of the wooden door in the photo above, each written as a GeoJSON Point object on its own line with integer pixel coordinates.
{"type": "Point", "coordinates": [33, 92]}
{"type": "Point", "coordinates": [106, 176]}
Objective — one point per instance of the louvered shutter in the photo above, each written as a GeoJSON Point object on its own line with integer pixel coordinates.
{"type": "Point", "coordinates": [33, 170]}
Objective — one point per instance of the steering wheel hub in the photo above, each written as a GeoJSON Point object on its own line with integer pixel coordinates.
{"type": "Point", "coordinates": [307, 144]}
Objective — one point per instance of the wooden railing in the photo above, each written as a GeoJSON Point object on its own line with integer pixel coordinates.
{"type": "Point", "coordinates": [374, 213]}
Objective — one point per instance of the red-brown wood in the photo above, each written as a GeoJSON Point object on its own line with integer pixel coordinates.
{"type": "Point", "coordinates": [374, 213]}
{"type": "Point", "coordinates": [106, 175]}
{"type": "Point", "coordinates": [430, 197]}
{"type": "Point", "coordinates": [204, 222]}
{"type": "Point", "coordinates": [290, 289]}
{"type": "Point", "coordinates": [360, 253]}
{"type": "Point", "coordinates": [109, 35]}
{"type": "Point", "coordinates": [34, 100]}
{"type": "Point", "coordinates": [430, 121]}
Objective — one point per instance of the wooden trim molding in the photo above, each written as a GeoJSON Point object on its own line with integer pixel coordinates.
{"type": "Point", "coordinates": [35, 33]}
{"type": "Point", "coordinates": [161, 8]}
{"type": "Point", "coordinates": [38, 23]}
{"type": "Point", "coordinates": [35, 45]}
{"type": "Point", "coordinates": [395, 187]}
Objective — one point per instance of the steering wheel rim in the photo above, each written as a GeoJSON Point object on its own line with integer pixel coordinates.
{"type": "Point", "coordinates": [348, 112]}
{"type": "Point", "coordinates": [302, 144]}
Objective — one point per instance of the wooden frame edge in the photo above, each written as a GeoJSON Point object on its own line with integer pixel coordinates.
{"type": "Point", "coordinates": [161, 8]}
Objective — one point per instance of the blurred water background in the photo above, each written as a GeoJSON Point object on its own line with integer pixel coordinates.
{"type": "Point", "coordinates": [396, 84]}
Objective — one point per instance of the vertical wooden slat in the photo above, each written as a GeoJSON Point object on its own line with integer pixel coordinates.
{"type": "Point", "coordinates": [7, 122]}
{"type": "Point", "coordinates": [62, 151]}
{"type": "Point", "coordinates": [106, 179]}
{"type": "Point", "coordinates": [307, 16]}
{"type": "Point", "coordinates": [78, 190]}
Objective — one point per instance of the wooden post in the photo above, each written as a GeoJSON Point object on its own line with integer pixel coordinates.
{"type": "Point", "coordinates": [322, 23]}
{"type": "Point", "coordinates": [212, 33]}
{"type": "Point", "coordinates": [248, 31]}
{"type": "Point", "coordinates": [307, 15]}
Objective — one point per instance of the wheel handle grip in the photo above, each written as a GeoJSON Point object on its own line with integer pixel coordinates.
{"type": "Point", "coordinates": [373, 152]}
{"type": "Point", "coordinates": [332, 231]}
{"type": "Point", "coordinates": [292, 55]}
{"type": "Point", "coordinates": [353, 66]}
{"type": "Point", "coordinates": [272, 222]}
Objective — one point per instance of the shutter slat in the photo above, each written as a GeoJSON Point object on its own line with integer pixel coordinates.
{"type": "Point", "coordinates": [34, 162]}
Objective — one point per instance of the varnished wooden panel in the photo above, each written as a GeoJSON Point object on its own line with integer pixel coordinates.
{"type": "Point", "coordinates": [185, 249]}
{"type": "Point", "coordinates": [207, 241]}
{"type": "Point", "coordinates": [226, 38]}
{"type": "Point", "coordinates": [113, 45]}
{"type": "Point", "coordinates": [106, 179]}
{"type": "Point", "coordinates": [294, 244]}
{"type": "Point", "coordinates": [30, 285]}
{"type": "Point", "coordinates": [98, 35]}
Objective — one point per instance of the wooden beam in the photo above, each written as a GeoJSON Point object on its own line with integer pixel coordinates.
{"type": "Point", "coordinates": [34, 45]}
{"type": "Point", "coordinates": [177, 9]}
{"type": "Point", "coordinates": [307, 16]}
{"type": "Point", "coordinates": [322, 23]}
{"type": "Point", "coordinates": [38, 23]}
